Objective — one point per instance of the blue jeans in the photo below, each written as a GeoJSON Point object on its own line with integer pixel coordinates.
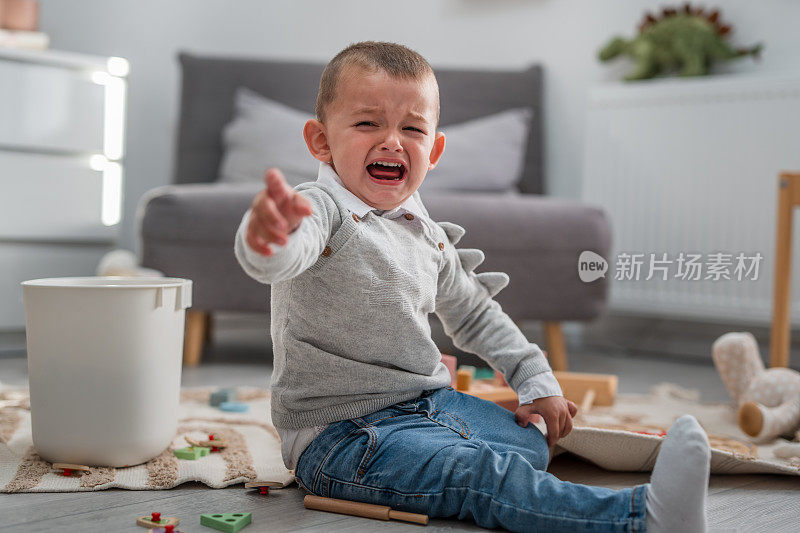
{"type": "Point", "coordinates": [448, 454]}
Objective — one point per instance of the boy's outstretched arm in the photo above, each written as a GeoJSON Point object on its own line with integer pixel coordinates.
{"type": "Point", "coordinates": [284, 231]}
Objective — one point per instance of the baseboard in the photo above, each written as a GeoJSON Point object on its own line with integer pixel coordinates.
{"type": "Point", "coordinates": [689, 340]}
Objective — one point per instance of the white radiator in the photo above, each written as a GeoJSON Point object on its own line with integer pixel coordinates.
{"type": "Point", "coordinates": [691, 165]}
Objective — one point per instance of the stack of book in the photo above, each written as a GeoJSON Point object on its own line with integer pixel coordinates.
{"type": "Point", "coordinates": [19, 25]}
{"type": "Point", "coordinates": [31, 40]}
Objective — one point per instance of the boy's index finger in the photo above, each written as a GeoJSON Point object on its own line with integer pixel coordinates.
{"type": "Point", "coordinates": [277, 188]}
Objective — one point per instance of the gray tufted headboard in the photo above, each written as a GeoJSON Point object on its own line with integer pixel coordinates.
{"type": "Point", "coordinates": [208, 86]}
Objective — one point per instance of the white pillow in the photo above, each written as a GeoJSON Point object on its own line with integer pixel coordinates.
{"type": "Point", "coordinates": [483, 154]}
{"type": "Point", "coordinates": [265, 133]}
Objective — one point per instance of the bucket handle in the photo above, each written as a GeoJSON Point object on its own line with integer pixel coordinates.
{"type": "Point", "coordinates": [183, 296]}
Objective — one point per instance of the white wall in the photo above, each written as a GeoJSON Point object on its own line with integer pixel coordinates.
{"type": "Point", "coordinates": [563, 35]}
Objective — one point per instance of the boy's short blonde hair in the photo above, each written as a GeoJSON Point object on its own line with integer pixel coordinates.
{"type": "Point", "coordinates": [394, 59]}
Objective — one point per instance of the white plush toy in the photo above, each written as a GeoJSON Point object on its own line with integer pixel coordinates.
{"type": "Point", "coordinates": [124, 263]}
{"type": "Point", "coordinates": [768, 399]}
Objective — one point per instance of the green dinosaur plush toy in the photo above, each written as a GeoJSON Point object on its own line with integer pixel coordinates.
{"type": "Point", "coordinates": [687, 40]}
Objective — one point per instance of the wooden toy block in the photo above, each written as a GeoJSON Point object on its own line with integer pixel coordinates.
{"type": "Point", "coordinates": [575, 385]}
{"type": "Point", "coordinates": [67, 469]}
{"type": "Point", "coordinates": [234, 407]}
{"type": "Point", "coordinates": [484, 373]}
{"type": "Point", "coordinates": [504, 396]}
{"type": "Point", "coordinates": [222, 395]}
{"type": "Point", "coordinates": [367, 510]}
{"type": "Point", "coordinates": [228, 522]}
{"type": "Point", "coordinates": [191, 453]}
{"type": "Point", "coordinates": [167, 529]}
{"type": "Point", "coordinates": [154, 520]}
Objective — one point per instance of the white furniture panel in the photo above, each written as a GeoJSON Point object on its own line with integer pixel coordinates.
{"type": "Point", "coordinates": [692, 166]}
{"type": "Point", "coordinates": [58, 216]}
{"type": "Point", "coordinates": [50, 108]}
{"type": "Point", "coordinates": [51, 198]}
{"type": "Point", "coordinates": [24, 261]}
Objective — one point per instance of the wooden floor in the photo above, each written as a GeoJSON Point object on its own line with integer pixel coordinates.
{"type": "Point", "coordinates": [750, 503]}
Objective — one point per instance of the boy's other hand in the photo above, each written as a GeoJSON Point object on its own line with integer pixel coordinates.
{"type": "Point", "coordinates": [276, 212]}
{"type": "Point", "coordinates": [556, 411]}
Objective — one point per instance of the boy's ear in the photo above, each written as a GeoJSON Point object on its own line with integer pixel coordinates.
{"type": "Point", "coordinates": [437, 150]}
{"type": "Point", "coordinates": [317, 140]}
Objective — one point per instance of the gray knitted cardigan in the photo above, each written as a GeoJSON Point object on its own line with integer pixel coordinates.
{"type": "Point", "coordinates": [349, 312]}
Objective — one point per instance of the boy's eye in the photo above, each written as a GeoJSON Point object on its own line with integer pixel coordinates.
{"type": "Point", "coordinates": [415, 129]}
{"type": "Point", "coordinates": [365, 123]}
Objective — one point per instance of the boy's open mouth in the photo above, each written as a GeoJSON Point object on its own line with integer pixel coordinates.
{"type": "Point", "coordinates": [383, 170]}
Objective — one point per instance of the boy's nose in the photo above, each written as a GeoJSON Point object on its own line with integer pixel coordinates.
{"type": "Point", "coordinates": [391, 142]}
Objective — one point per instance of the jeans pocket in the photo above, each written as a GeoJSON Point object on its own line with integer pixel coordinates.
{"type": "Point", "coordinates": [349, 458]}
{"type": "Point", "coordinates": [451, 421]}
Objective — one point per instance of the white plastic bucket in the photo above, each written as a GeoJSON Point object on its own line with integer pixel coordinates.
{"type": "Point", "coordinates": [104, 364]}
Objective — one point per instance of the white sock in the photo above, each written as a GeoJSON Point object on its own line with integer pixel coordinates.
{"type": "Point", "coordinates": [676, 499]}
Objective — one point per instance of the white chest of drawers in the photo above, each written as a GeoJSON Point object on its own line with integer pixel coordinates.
{"type": "Point", "coordinates": [61, 138]}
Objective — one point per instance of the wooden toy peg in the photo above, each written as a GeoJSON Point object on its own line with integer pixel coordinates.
{"type": "Point", "coordinates": [463, 379]}
{"type": "Point", "coordinates": [588, 400]}
{"type": "Point", "coordinates": [270, 484]}
{"type": "Point", "coordinates": [67, 468]}
{"type": "Point", "coordinates": [221, 444]}
{"type": "Point", "coordinates": [367, 510]}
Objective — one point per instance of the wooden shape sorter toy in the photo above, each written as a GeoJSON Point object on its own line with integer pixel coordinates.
{"type": "Point", "coordinates": [582, 388]}
{"type": "Point", "coordinates": [229, 522]}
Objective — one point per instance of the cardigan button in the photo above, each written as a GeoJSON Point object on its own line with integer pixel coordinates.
{"type": "Point", "coordinates": [355, 217]}
{"type": "Point", "coordinates": [327, 251]}
{"type": "Point", "coordinates": [441, 246]}
{"type": "Point", "coordinates": [409, 216]}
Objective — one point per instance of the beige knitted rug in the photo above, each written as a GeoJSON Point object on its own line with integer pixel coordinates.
{"type": "Point", "coordinates": [253, 451]}
{"type": "Point", "coordinates": [606, 436]}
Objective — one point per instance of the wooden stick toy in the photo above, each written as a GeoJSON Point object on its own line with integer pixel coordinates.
{"type": "Point", "coordinates": [367, 510]}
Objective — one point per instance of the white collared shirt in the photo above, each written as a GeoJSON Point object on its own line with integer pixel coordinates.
{"type": "Point", "coordinates": [328, 176]}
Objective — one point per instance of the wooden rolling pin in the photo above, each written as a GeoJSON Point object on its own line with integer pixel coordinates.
{"type": "Point", "coordinates": [367, 510]}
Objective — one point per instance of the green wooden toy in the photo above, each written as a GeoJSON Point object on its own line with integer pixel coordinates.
{"type": "Point", "coordinates": [228, 522]}
{"type": "Point", "coordinates": [191, 453]}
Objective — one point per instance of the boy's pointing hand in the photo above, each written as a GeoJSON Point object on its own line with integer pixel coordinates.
{"type": "Point", "coordinates": [556, 411]}
{"type": "Point", "coordinates": [276, 212]}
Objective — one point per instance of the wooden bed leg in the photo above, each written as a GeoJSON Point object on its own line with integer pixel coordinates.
{"type": "Point", "coordinates": [196, 323]}
{"type": "Point", "coordinates": [788, 198]}
{"type": "Point", "coordinates": [556, 349]}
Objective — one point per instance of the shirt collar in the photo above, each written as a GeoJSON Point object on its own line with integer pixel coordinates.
{"type": "Point", "coordinates": [327, 176]}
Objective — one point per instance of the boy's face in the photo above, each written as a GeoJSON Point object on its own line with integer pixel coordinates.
{"type": "Point", "coordinates": [375, 118]}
